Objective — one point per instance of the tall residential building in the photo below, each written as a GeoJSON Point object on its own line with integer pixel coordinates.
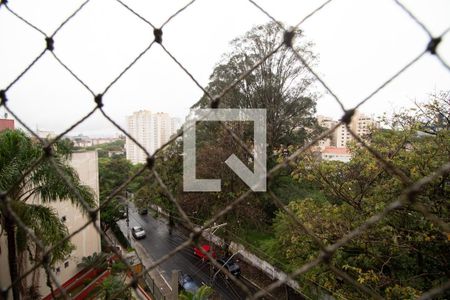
{"type": "Point", "coordinates": [326, 122]}
{"type": "Point", "coordinates": [360, 125]}
{"type": "Point", "coordinates": [86, 242]}
{"type": "Point", "coordinates": [151, 130]}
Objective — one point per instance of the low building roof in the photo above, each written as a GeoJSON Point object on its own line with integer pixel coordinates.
{"type": "Point", "coordinates": [336, 150]}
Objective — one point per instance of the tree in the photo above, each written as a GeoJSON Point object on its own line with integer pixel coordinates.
{"type": "Point", "coordinates": [113, 172]}
{"type": "Point", "coordinates": [96, 260]}
{"type": "Point", "coordinates": [111, 212]}
{"type": "Point", "coordinates": [113, 288]}
{"type": "Point", "coordinates": [405, 254]}
{"type": "Point", "coordinates": [17, 154]}
{"type": "Point", "coordinates": [168, 164]}
{"type": "Point", "coordinates": [104, 150]}
{"type": "Point", "coordinates": [281, 84]}
{"type": "Point", "coordinates": [201, 294]}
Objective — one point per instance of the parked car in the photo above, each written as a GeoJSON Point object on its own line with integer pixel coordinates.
{"type": "Point", "coordinates": [123, 212]}
{"type": "Point", "coordinates": [138, 232]}
{"type": "Point", "coordinates": [230, 265]}
{"type": "Point", "coordinates": [187, 283]}
{"type": "Point", "coordinates": [206, 248]}
{"type": "Point", "coordinates": [143, 211]}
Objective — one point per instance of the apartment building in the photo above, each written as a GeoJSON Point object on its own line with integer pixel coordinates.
{"type": "Point", "coordinates": [151, 130]}
{"type": "Point", "coordinates": [340, 138]}
{"type": "Point", "coordinates": [360, 124]}
{"type": "Point", "coordinates": [86, 242]}
{"type": "Point", "coordinates": [326, 122]}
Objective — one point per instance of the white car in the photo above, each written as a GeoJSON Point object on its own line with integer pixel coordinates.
{"type": "Point", "coordinates": [138, 232]}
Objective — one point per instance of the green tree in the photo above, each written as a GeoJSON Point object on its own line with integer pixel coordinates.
{"type": "Point", "coordinates": [202, 294]}
{"type": "Point", "coordinates": [403, 255]}
{"type": "Point", "coordinates": [113, 172]}
{"type": "Point", "coordinates": [113, 288]}
{"type": "Point", "coordinates": [96, 260]}
{"type": "Point", "coordinates": [17, 154]}
{"type": "Point", "coordinates": [281, 84]}
{"type": "Point", "coordinates": [111, 212]}
{"type": "Point", "coordinates": [168, 164]}
{"type": "Point", "coordinates": [104, 150]}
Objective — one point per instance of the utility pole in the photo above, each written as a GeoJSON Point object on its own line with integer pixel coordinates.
{"type": "Point", "coordinates": [214, 277]}
{"type": "Point", "coordinates": [128, 216]}
{"type": "Point", "coordinates": [212, 230]}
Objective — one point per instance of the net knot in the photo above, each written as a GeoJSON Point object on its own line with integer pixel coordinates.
{"type": "Point", "coordinates": [50, 43]}
{"type": "Point", "coordinates": [99, 100]}
{"type": "Point", "coordinates": [432, 45]}
{"type": "Point", "coordinates": [157, 32]}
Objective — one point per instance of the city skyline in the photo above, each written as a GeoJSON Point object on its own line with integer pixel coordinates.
{"type": "Point", "coordinates": [41, 132]}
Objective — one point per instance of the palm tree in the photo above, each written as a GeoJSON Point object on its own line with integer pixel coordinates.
{"type": "Point", "coordinates": [201, 294]}
{"type": "Point", "coordinates": [44, 183]}
{"type": "Point", "coordinates": [113, 288]}
{"type": "Point", "coordinates": [96, 260]}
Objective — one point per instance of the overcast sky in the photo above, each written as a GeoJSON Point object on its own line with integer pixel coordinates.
{"type": "Point", "coordinates": [360, 43]}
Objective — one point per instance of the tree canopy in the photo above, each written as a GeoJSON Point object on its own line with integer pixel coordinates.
{"type": "Point", "coordinates": [281, 84]}
{"type": "Point", "coordinates": [405, 254]}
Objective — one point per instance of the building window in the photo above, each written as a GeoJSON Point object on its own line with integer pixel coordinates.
{"type": "Point", "coordinates": [66, 264]}
{"type": "Point", "coordinates": [58, 269]}
{"type": "Point", "coordinates": [63, 219]}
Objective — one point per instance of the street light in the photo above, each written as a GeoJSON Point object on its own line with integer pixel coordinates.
{"type": "Point", "coordinates": [212, 230]}
{"type": "Point", "coordinates": [214, 276]}
{"type": "Point", "coordinates": [125, 199]}
{"type": "Point", "coordinates": [128, 222]}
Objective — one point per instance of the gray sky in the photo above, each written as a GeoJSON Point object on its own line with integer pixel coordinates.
{"type": "Point", "coordinates": [360, 43]}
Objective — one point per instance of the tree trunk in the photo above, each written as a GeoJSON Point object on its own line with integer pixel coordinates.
{"type": "Point", "coordinates": [12, 254]}
{"type": "Point", "coordinates": [36, 273]}
{"type": "Point", "coordinates": [21, 268]}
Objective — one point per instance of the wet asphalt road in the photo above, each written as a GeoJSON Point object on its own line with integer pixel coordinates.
{"type": "Point", "coordinates": [159, 242]}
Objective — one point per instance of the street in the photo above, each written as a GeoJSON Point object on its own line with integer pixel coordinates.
{"type": "Point", "coordinates": [159, 242]}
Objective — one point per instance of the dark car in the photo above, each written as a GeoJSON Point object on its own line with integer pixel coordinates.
{"type": "Point", "coordinates": [230, 265]}
{"type": "Point", "coordinates": [187, 283]}
{"type": "Point", "coordinates": [138, 232]}
{"type": "Point", "coordinates": [143, 211]}
{"type": "Point", "coordinates": [123, 212]}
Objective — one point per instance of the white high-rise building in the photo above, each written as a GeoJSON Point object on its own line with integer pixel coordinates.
{"type": "Point", "coordinates": [151, 130]}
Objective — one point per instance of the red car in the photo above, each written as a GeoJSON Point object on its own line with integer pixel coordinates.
{"type": "Point", "coordinates": [206, 248]}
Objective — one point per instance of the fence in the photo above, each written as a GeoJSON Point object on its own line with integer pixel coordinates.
{"type": "Point", "coordinates": [153, 288]}
{"type": "Point", "coordinates": [408, 197]}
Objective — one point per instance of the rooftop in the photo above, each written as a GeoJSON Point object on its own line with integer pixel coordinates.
{"type": "Point", "coordinates": [336, 150]}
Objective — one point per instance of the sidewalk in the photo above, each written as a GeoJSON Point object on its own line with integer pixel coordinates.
{"type": "Point", "coordinates": [155, 274]}
{"type": "Point", "coordinates": [147, 260]}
